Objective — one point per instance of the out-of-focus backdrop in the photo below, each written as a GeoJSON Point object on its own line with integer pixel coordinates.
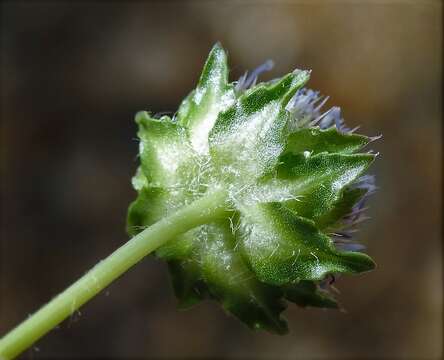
{"type": "Point", "coordinates": [72, 78]}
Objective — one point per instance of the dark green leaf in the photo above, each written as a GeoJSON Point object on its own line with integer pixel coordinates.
{"type": "Point", "coordinates": [188, 285]}
{"type": "Point", "coordinates": [340, 208]}
{"type": "Point", "coordinates": [213, 94]}
{"type": "Point", "coordinates": [317, 181]}
{"type": "Point", "coordinates": [236, 287]}
{"type": "Point", "coordinates": [315, 140]}
{"type": "Point", "coordinates": [166, 157]}
{"type": "Point", "coordinates": [307, 293]}
{"type": "Point", "coordinates": [148, 208]}
{"type": "Point", "coordinates": [248, 138]}
{"type": "Point", "coordinates": [282, 248]}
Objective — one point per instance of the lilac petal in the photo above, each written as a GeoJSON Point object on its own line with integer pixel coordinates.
{"type": "Point", "coordinates": [303, 103]}
{"type": "Point", "coordinates": [350, 247]}
{"type": "Point", "coordinates": [248, 80]}
{"type": "Point", "coordinates": [323, 124]}
{"type": "Point", "coordinates": [241, 82]}
{"type": "Point", "coordinates": [332, 116]}
{"type": "Point", "coordinates": [321, 104]}
{"type": "Point", "coordinates": [366, 182]}
{"type": "Point", "coordinates": [355, 212]}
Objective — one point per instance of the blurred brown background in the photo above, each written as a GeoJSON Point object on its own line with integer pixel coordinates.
{"type": "Point", "coordinates": [74, 75]}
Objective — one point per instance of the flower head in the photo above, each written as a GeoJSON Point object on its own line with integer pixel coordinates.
{"type": "Point", "coordinates": [295, 184]}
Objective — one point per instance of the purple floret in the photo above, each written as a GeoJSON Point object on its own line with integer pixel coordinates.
{"type": "Point", "coordinates": [249, 80]}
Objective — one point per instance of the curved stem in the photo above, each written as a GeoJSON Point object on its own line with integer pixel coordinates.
{"type": "Point", "coordinates": [201, 211]}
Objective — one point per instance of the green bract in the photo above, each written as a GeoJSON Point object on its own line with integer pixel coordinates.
{"type": "Point", "coordinates": [293, 185]}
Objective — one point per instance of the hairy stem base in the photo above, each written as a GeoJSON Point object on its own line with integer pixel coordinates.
{"type": "Point", "coordinates": [200, 212]}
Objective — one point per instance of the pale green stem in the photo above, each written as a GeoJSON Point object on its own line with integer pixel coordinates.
{"type": "Point", "coordinates": [29, 331]}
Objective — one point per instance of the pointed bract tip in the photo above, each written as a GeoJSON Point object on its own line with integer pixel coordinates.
{"type": "Point", "coordinates": [141, 116]}
{"type": "Point", "coordinates": [367, 263]}
{"type": "Point", "coordinates": [217, 44]}
{"type": "Point", "coordinates": [217, 47]}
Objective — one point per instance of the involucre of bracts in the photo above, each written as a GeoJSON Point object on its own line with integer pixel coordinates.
{"type": "Point", "coordinates": [295, 185]}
